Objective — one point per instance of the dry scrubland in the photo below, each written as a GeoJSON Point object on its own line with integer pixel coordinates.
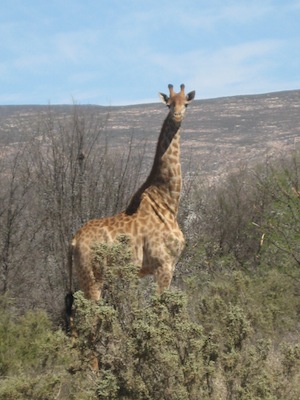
{"type": "Point", "coordinates": [229, 326]}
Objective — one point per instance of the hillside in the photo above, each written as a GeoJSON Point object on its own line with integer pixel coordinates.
{"type": "Point", "coordinates": [217, 134]}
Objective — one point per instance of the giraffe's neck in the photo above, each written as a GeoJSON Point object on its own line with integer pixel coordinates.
{"type": "Point", "coordinates": [164, 182]}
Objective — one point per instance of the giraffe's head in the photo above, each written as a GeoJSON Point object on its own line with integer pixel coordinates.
{"type": "Point", "coordinates": [177, 102]}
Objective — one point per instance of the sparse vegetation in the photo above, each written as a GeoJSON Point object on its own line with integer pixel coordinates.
{"type": "Point", "coordinates": [227, 329]}
{"type": "Point", "coordinates": [62, 177]}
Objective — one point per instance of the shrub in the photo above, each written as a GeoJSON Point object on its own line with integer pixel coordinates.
{"type": "Point", "coordinates": [33, 358]}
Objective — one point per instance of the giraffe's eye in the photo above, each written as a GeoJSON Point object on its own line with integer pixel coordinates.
{"type": "Point", "coordinates": [186, 105]}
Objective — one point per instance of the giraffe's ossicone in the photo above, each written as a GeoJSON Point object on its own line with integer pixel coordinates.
{"type": "Point", "coordinates": [149, 221]}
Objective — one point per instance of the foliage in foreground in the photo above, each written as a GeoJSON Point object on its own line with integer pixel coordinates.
{"type": "Point", "coordinates": [224, 343]}
{"type": "Point", "coordinates": [33, 358]}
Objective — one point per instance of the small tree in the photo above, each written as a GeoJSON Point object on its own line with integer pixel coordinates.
{"type": "Point", "coordinates": [18, 230]}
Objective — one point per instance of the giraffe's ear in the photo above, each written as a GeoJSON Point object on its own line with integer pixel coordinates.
{"type": "Point", "coordinates": [164, 98]}
{"type": "Point", "coordinates": [190, 96]}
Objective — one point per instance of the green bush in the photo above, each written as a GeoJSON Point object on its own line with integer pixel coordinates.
{"type": "Point", "coordinates": [33, 357]}
{"type": "Point", "coordinates": [146, 350]}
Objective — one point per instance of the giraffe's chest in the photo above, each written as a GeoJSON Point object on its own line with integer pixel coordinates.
{"type": "Point", "coordinates": [164, 246]}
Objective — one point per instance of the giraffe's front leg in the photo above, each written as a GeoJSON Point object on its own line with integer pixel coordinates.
{"type": "Point", "coordinates": [163, 277]}
{"type": "Point", "coordinates": [169, 254]}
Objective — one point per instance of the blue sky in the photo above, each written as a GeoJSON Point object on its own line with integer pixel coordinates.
{"type": "Point", "coordinates": [116, 52]}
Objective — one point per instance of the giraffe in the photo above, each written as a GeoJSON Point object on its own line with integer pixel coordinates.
{"type": "Point", "coordinates": [150, 219]}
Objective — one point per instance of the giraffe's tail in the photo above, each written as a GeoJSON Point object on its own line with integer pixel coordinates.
{"type": "Point", "coordinates": [69, 298]}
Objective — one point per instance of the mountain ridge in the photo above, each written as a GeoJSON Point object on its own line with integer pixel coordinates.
{"type": "Point", "coordinates": [217, 135]}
